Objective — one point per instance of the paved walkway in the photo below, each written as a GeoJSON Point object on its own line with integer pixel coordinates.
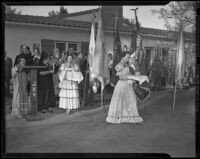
{"type": "Point", "coordinates": [162, 131]}
{"type": "Point", "coordinates": [154, 96]}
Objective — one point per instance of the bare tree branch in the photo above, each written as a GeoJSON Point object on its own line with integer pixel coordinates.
{"type": "Point", "coordinates": [177, 12]}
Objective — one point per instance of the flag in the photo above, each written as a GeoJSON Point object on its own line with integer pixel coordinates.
{"type": "Point", "coordinates": [116, 52]}
{"type": "Point", "coordinates": [139, 49]}
{"type": "Point", "coordinates": [179, 73]}
{"type": "Point", "coordinates": [133, 43]}
{"type": "Point", "coordinates": [142, 91]}
{"type": "Point", "coordinates": [101, 70]}
{"type": "Point", "coordinates": [92, 48]}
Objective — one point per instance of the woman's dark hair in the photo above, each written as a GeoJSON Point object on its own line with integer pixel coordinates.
{"type": "Point", "coordinates": [21, 46]}
{"type": "Point", "coordinates": [20, 58]}
{"type": "Point", "coordinates": [69, 55]}
{"type": "Point", "coordinates": [44, 56]}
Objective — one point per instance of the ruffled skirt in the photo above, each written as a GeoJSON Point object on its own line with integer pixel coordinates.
{"type": "Point", "coordinates": [69, 95]}
{"type": "Point", "coordinates": [123, 105]}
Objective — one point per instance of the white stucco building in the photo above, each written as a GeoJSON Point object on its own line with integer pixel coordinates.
{"type": "Point", "coordinates": [73, 30]}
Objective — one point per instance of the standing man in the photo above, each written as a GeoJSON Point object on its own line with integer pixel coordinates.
{"type": "Point", "coordinates": [85, 90]}
{"type": "Point", "coordinates": [160, 73]}
{"type": "Point", "coordinates": [110, 66]}
{"type": "Point", "coordinates": [153, 74]}
{"type": "Point", "coordinates": [54, 62]}
{"type": "Point", "coordinates": [110, 62]}
{"type": "Point", "coordinates": [21, 55]}
{"type": "Point", "coordinates": [163, 76]}
{"type": "Point", "coordinates": [8, 76]}
{"type": "Point", "coordinates": [36, 56]}
{"type": "Point", "coordinates": [29, 57]}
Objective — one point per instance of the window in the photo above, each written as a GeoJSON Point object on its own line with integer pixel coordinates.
{"type": "Point", "coordinates": [74, 46]}
{"type": "Point", "coordinates": [64, 45]}
{"type": "Point", "coordinates": [61, 46]}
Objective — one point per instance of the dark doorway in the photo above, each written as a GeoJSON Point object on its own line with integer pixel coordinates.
{"type": "Point", "coordinates": [147, 59]}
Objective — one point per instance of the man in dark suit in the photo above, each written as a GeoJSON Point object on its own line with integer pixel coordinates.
{"type": "Point", "coordinates": [85, 90]}
{"type": "Point", "coordinates": [29, 57]}
{"type": "Point", "coordinates": [21, 55]}
{"type": "Point", "coordinates": [8, 75]}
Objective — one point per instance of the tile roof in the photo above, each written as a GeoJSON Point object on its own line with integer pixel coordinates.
{"type": "Point", "coordinates": [81, 24]}
{"type": "Point", "coordinates": [81, 13]}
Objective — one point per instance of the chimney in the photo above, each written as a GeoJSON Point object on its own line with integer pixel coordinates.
{"type": "Point", "coordinates": [109, 14]}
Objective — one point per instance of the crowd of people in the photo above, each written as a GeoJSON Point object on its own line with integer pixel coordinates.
{"type": "Point", "coordinates": [62, 76]}
{"type": "Point", "coordinates": [163, 76]}
{"type": "Point", "coordinates": [65, 77]}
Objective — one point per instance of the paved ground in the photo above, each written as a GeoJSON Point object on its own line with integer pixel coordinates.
{"type": "Point", "coordinates": [87, 131]}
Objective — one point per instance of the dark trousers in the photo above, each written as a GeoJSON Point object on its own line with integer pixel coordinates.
{"type": "Point", "coordinates": [46, 98]}
{"type": "Point", "coordinates": [157, 83]}
{"type": "Point", "coordinates": [81, 91]}
{"type": "Point", "coordinates": [163, 84]}
{"type": "Point", "coordinates": [86, 94]}
{"type": "Point", "coordinates": [7, 85]}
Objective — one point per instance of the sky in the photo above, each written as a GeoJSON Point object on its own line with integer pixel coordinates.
{"type": "Point", "coordinates": [144, 13]}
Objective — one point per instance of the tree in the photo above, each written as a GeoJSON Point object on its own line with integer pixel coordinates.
{"type": "Point", "coordinates": [60, 13]}
{"type": "Point", "coordinates": [176, 13]}
{"type": "Point", "coordinates": [9, 10]}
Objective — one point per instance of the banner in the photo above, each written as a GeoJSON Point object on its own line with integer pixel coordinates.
{"type": "Point", "coordinates": [101, 69]}
{"type": "Point", "coordinates": [92, 48]}
{"type": "Point", "coordinates": [116, 53]}
{"type": "Point", "coordinates": [179, 73]}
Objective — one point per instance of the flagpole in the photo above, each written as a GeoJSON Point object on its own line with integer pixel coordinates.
{"type": "Point", "coordinates": [85, 83]}
{"type": "Point", "coordinates": [101, 98]}
{"type": "Point", "coordinates": [174, 98]}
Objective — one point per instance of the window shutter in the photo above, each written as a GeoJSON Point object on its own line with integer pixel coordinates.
{"type": "Point", "coordinates": [47, 46]}
{"type": "Point", "coordinates": [84, 47]}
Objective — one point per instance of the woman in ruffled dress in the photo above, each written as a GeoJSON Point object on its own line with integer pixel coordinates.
{"type": "Point", "coordinates": [123, 105]}
{"type": "Point", "coordinates": [70, 76]}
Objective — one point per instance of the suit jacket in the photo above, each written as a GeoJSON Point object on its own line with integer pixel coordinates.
{"type": "Point", "coordinates": [8, 67]}
{"type": "Point", "coordinates": [82, 63]}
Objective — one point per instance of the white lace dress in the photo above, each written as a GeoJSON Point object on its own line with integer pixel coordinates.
{"type": "Point", "coordinates": [123, 105]}
{"type": "Point", "coordinates": [69, 79]}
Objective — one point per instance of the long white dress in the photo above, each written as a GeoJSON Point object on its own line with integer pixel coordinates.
{"type": "Point", "coordinates": [69, 79]}
{"type": "Point", "coordinates": [123, 105]}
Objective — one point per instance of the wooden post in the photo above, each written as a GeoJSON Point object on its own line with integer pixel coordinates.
{"type": "Point", "coordinates": [33, 91]}
{"type": "Point", "coordinates": [174, 99]}
{"type": "Point", "coordinates": [33, 104]}
{"type": "Point", "coordinates": [101, 99]}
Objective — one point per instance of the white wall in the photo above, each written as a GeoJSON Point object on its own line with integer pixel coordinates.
{"type": "Point", "coordinates": [17, 34]}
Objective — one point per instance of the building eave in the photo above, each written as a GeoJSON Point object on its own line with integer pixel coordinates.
{"type": "Point", "coordinates": [106, 29]}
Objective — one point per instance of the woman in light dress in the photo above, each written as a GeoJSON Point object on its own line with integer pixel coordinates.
{"type": "Point", "coordinates": [123, 106]}
{"type": "Point", "coordinates": [20, 94]}
{"type": "Point", "coordinates": [70, 76]}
